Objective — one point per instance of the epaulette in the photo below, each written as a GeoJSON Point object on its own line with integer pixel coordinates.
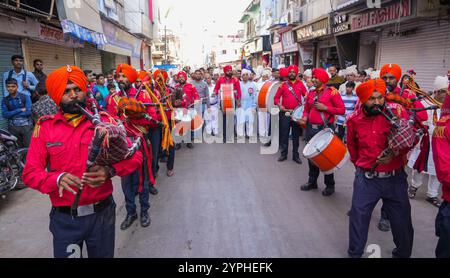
{"type": "Point", "coordinates": [334, 91]}
{"type": "Point", "coordinates": [110, 118]}
{"type": "Point", "coordinates": [37, 127]}
{"type": "Point", "coordinates": [439, 129]}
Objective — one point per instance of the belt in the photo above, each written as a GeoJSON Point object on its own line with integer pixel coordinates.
{"type": "Point", "coordinates": [313, 126]}
{"type": "Point", "coordinates": [381, 175]}
{"type": "Point", "coordinates": [88, 209]}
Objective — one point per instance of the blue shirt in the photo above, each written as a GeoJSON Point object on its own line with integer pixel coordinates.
{"type": "Point", "coordinates": [249, 91]}
{"type": "Point", "coordinates": [103, 90]}
{"type": "Point", "coordinates": [349, 103]}
{"type": "Point", "coordinates": [14, 114]}
{"type": "Point", "coordinates": [30, 78]}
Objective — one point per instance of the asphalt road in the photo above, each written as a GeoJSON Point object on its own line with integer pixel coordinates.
{"type": "Point", "coordinates": [225, 200]}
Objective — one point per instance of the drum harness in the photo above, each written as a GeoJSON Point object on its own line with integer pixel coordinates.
{"type": "Point", "coordinates": [289, 112]}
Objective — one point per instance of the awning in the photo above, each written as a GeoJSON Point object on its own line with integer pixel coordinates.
{"type": "Point", "coordinates": [82, 33]}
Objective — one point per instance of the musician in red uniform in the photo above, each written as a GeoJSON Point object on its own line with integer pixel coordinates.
{"type": "Point", "coordinates": [161, 78]}
{"type": "Point", "coordinates": [321, 106]}
{"type": "Point", "coordinates": [367, 138]}
{"type": "Point", "coordinates": [56, 165]}
{"type": "Point", "coordinates": [190, 96]}
{"type": "Point", "coordinates": [124, 73]}
{"type": "Point", "coordinates": [441, 156]}
{"type": "Point", "coordinates": [291, 93]}
{"type": "Point", "coordinates": [391, 75]}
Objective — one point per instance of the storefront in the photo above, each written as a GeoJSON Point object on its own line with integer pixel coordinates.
{"type": "Point", "coordinates": [316, 45]}
{"type": "Point", "coordinates": [91, 58]}
{"type": "Point", "coordinates": [290, 49]}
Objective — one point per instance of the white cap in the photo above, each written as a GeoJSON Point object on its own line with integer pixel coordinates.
{"type": "Point", "coordinates": [342, 73]}
{"type": "Point", "coordinates": [351, 70]}
{"type": "Point", "coordinates": [267, 72]}
{"type": "Point", "coordinates": [440, 82]}
{"type": "Point", "coordinates": [375, 74]}
{"type": "Point", "coordinates": [245, 71]}
{"type": "Point", "coordinates": [307, 73]}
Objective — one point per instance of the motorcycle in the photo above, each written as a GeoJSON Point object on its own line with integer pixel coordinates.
{"type": "Point", "coordinates": [12, 162]}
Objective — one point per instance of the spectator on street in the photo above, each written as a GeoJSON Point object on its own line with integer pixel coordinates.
{"type": "Point", "coordinates": [350, 98]}
{"type": "Point", "coordinates": [16, 107]}
{"type": "Point", "coordinates": [41, 77]}
{"type": "Point", "coordinates": [100, 90]}
{"type": "Point", "coordinates": [26, 81]}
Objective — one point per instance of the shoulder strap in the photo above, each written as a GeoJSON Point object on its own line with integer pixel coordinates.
{"type": "Point", "coordinates": [293, 92]}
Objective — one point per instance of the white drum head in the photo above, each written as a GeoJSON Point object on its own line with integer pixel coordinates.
{"type": "Point", "coordinates": [271, 95]}
{"type": "Point", "coordinates": [298, 113]}
{"type": "Point", "coordinates": [318, 143]}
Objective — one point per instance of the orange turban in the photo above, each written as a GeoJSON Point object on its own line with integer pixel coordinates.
{"type": "Point", "coordinates": [393, 69]}
{"type": "Point", "coordinates": [161, 72]}
{"type": "Point", "coordinates": [129, 72]}
{"type": "Point", "coordinates": [142, 75]}
{"type": "Point", "coordinates": [57, 81]}
{"type": "Point", "coordinates": [366, 89]}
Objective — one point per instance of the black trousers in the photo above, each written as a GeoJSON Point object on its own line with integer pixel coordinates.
{"type": "Point", "coordinates": [286, 124]}
{"type": "Point", "coordinates": [23, 134]}
{"type": "Point", "coordinates": [443, 231]}
{"type": "Point", "coordinates": [314, 171]}
{"type": "Point", "coordinates": [154, 135]}
{"type": "Point", "coordinates": [366, 194]}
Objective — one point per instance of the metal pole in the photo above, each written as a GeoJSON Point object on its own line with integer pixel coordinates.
{"type": "Point", "coordinates": [165, 45]}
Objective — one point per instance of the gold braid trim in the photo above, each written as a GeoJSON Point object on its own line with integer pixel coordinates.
{"type": "Point", "coordinates": [439, 132]}
{"type": "Point", "coordinates": [334, 91]}
{"type": "Point", "coordinates": [37, 127]}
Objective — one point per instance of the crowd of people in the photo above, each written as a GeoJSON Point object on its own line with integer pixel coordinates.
{"type": "Point", "coordinates": [353, 104]}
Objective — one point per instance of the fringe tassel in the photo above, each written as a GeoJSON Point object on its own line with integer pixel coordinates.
{"type": "Point", "coordinates": [439, 132]}
{"type": "Point", "coordinates": [36, 130]}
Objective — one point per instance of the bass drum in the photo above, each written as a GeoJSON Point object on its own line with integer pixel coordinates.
{"type": "Point", "coordinates": [227, 97]}
{"type": "Point", "coordinates": [297, 113]}
{"type": "Point", "coordinates": [267, 94]}
{"type": "Point", "coordinates": [326, 151]}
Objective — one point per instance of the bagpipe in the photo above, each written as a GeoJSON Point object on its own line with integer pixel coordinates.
{"type": "Point", "coordinates": [109, 144]}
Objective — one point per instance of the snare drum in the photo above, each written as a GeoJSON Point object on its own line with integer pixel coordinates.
{"type": "Point", "coordinates": [192, 117]}
{"type": "Point", "coordinates": [297, 114]}
{"type": "Point", "coordinates": [267, 94]}
{"type": "Point", "coordinates": [227, 97]}
{"type": "Point", "coordinates": [326, 151]}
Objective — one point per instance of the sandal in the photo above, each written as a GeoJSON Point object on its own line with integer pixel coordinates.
{"type": "Point", "coordinates": [434, 201]}
{"type": "Point", "coordinates": [412, 192]}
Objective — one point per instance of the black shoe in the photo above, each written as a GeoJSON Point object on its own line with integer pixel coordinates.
{"type": "Point", "coordinates": [384, 225]}
{"type": "Point", "coordinates": [297, 160]}
{"type": "Point", "coordinates": [282, 158]}
{"type": "Point", "coordinates": [145, 219]}
{"type": "Point", "coordinates": [328, 191]}
{"type": "Point", "coordinates": [434, 201]}
{"type": "Point", "coordinates": [128, 221]}
{"type": "Point", "coordinates": [177, 146]}
{"type": "Point", "coordinates": [190, 145]}
{"type": "Point", "coordinates": [153, 189]}
{"type": "Point", "coordinates": [267, 144]}
{"type": "Point", "coordinates": [308, 186]}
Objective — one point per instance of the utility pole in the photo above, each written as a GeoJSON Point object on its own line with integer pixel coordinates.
{"type": "Point", "coordinates": [165, 45]}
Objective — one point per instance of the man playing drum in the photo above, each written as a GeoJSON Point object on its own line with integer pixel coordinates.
{"type": "Point", "coordinates": [321, 106]}
{"type": "Point", "coordinates": [367, 138]}
{"type": "Point", "coordinates": [291, 93]}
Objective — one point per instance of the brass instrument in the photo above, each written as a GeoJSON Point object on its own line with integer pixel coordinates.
{"type": "Point", "coordinates": [411, 85]}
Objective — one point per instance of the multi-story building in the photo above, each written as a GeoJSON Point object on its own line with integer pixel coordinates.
{"type": "Point", "coordinates": [226, 50]}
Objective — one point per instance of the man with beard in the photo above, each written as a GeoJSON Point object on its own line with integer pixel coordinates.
{"type": "Point", "coordinates": [321, 106]}
{"type": "Point", "coordinates": [291, 93]}
{"type": "Point", "coordinates": [335, 80]}
{"type": "Point", "coordinates": [56, 166]}
{"type": "Point", "coordinates": [367, 137]}
{"type": "Point", "coordinates": [391, 74]}
{"type": "Point", "coordinates": [190, 95]}
{"type": "Point", "coordinates": [228, 79]}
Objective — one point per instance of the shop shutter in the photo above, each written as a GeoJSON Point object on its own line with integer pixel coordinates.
{"type": "Point", "coordinates": [54, 56]}
{"type": "Point", "coordinates": [91, 58]}
{"type": "Point", "coordinates": [427, 50]}
{"type": "Point", "coordinates": [8, 47]}
{"type": "Point", "coordinates": [121, 59]}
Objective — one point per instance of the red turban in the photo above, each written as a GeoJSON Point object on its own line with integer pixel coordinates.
{"type": "Point", "coordinates": [294, 68]}
{"type": "Point", "coordinates": [182, 73]}
{"type": "Point", "coordinates": [366, 89]}
{"type": "Point", "coordinates": [160, 72]}
{"type": "Point", "coordinates": [393, 69]}
{"type": "Point", "coordinates": [284, 72]}
{"type": "Point", "coordinates": [129, 72]}
{"type": "Point", "coordinates": [227, 68]}
{"type": "Point", "coordinates": [57, 81]}
{"type": "Point", "coordinates": [321, 75]}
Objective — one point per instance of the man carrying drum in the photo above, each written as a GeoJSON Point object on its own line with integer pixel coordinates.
{"type": "Point", "coordinates": [321, 106]}
{"type": "Point", "coordinates": [291, 93]}
{"type": "Point", "coordinates": [367, 138]}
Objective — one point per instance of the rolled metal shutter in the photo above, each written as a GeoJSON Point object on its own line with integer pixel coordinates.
{"type": "Point", "coordinates": [8, 47]}
{"type": "Point", "coordinates": [427, 50]}
{"type": "Point", "coordinates": [54, 56]}
{"type": "Point", "coordinates": [121, 59]}
{"type": "Point", "coordinates": [91, 59]}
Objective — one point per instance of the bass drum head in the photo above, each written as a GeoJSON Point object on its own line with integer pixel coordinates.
{"type": "Point", "coordinates": [262, 94]}
{"type": "Point", "coordinates": [298, 113]}
{"type": "Point", "coordinates": [318, 143]}
{"type": "Point", "coordinates": [271, 95]}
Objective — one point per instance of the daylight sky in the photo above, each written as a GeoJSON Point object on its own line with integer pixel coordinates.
{"type": "Point", "coordinates": [194, 20]}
